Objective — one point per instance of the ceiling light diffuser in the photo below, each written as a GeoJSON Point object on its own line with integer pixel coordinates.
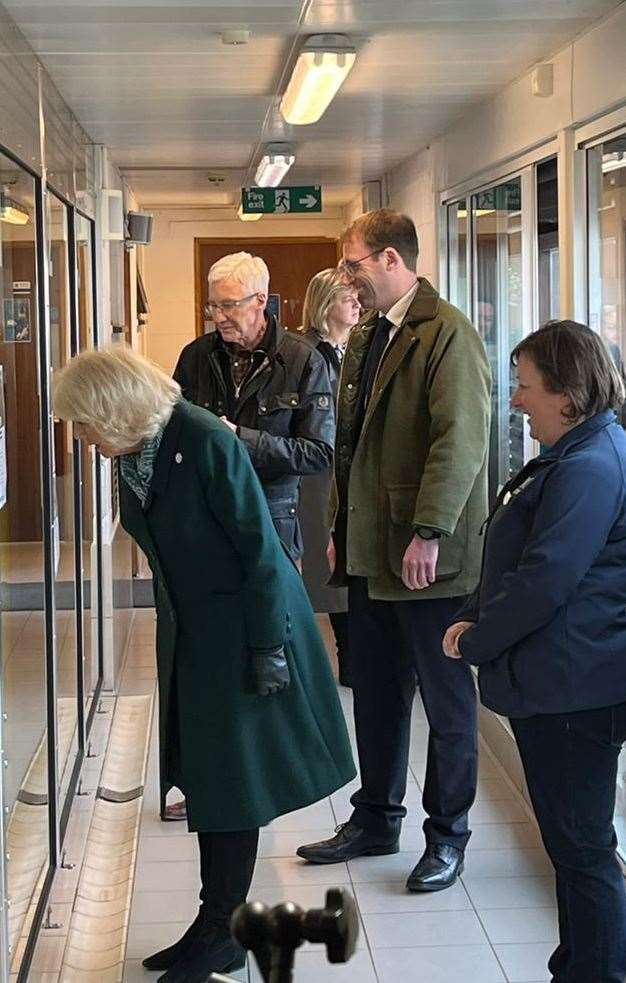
{"type": "Point", "coordinates": [321, 69]}
{"type": "Point", "coordinates": [274, 164]}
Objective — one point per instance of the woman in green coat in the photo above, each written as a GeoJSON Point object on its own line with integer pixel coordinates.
{"type": "Point", "coordinates": [250, 723]}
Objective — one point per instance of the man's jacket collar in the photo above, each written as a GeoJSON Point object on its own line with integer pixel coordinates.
{"type": "Point", "coordinates": [423, 307]}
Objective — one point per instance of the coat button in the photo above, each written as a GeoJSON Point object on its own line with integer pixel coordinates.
{"type": "Point", "coordinates": [178, 457]}
{"type": "Point", "coordinates": [351, 508]}
{"type": "Point", "coordinates": [350, 568]}
{"type": "Point", "coordinates": [292, 511]}
{"type": "Point", "coordinates": [350, 385]}
{"type": "Point", "coordinates": [262, 409]}
{"type": "Point", "coordinates": [294, 402]}
{"type": "Point", "coordinates": [206, 406]}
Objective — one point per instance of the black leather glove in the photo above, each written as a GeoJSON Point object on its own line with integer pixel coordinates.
{"type": "Point", "coordinates": [270, 672]}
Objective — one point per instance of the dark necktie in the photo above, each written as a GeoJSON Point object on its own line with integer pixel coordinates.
{"type": "Point", "coordinates": [370, 368]}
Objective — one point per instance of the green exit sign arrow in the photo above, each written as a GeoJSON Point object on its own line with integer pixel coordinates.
{"type": "Point", "coordinates": [276, 201]}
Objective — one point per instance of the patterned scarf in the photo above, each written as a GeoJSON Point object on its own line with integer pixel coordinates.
{"type": "Point", "coordinates": [137, 469]}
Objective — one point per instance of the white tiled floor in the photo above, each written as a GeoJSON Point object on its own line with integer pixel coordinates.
{"type": "Point", "coordinates": [497, 924]}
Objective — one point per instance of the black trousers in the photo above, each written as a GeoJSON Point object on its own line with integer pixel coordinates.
{"type": "Point", "coordinates": [570, 761]}
{"type": "Point", "coordinates": [396, 645]}
{"type": "Point", "coordinates": [226, 867]}
{"type": "Point", "coordinates": [339, 623]}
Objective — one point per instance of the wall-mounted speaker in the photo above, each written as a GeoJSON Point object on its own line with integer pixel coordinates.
{"type": "Point", "coordinates": [139, 228]}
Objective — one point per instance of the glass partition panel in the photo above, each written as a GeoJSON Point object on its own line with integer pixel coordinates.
{"type": "Point", "coordinates": [63, 520]}
{"type": "Point", "coordinates": [606, 169]}
{"type": "Point", "coordinates": [458, 292]}
{"type": "Point", "coordinates": [84, 281]}
{"type": "Point", "coordinates": [498, 315]}
{"type": "Point", "coordinates": [22, 626]}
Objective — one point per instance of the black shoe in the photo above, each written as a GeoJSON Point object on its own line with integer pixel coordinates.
{"type": "Point", "coordinates": [349, 842]}
{"type": "Point", "coordinates": [214, 953]}
{"type": "Point", "coordinates": [170, 956]}
{"type": "Point", "coordinates": [438, 868]}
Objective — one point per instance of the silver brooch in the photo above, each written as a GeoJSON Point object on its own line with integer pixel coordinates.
{"type": "Point", "coordinates": [178, 457]}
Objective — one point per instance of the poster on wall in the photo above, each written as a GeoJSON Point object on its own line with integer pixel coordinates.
{"type": "Point", "coordinates": [16, 319]}
{"type": "Point", "coordinates": [3, 445]}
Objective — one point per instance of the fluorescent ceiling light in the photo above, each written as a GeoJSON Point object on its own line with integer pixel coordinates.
{"type": "Point", "coordinates": [11, 212]}
{"type": "Point", "coordinates": [274, 164]}
{"type": "Point", "coordinates": [248, 216]}
{"type": "Point", "coordinates": [321, 69]}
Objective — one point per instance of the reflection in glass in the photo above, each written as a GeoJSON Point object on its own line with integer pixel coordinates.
{"type": "Point", "coordinates": [606, 167]}
{"type": "Point", "coordinates": [22, 627]}
{"type": "Point", "coordinates": [63, 518]}
{"type": "Point", "coordinates": [457, 256]}
{"type": "Point", "coordinates": [547, 240]}
{"type": "Point", "coordinates": [497, 249]}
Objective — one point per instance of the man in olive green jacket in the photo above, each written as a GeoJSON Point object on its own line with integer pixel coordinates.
{"type": "Point", "coordinates": [409, 498]}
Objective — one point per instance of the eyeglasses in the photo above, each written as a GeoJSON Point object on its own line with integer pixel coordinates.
{"type": "Point", "coordinates": [351, 266]}
{"type": "Point", "coordinates": [226, 306]}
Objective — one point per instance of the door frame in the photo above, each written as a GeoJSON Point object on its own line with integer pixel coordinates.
{"type": "Point", "coordinates": [228, 240]}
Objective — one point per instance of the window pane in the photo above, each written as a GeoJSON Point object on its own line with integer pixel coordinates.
{"type": "Point", "coordinates": [64, 478]}
{"type": "Point", "coordinates": [22, 626]}
{"type": "Point", "coordinates": [497, 254]}
{"type": "Point", "coordinates": [547, 241]}
{"type": "Point", "coordinates": [457, 256]}
{"type": "Point", "coordinates": [606, 210]}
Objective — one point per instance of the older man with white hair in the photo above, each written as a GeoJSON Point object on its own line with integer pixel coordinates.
{"type": "Point", "coordinates": [270, 386]}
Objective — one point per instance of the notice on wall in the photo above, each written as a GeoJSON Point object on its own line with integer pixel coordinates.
{"type": "Point", "coordinates": [16, 319]}
{"type": "Point", "coordinates": [3, 445]}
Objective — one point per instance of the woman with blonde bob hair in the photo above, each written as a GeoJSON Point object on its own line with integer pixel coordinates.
{"type": "Point", "coordinates": [331, 310]}
{"type": "Point", "coordinates": [250, 725]}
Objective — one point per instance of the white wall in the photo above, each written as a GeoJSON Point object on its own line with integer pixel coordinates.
{"type": "Point", "coordinates": [589, 81]}
{"type": "Point", "coordinates": [411, 190]}
{"type": "Point", "coordinates": [169, 266]}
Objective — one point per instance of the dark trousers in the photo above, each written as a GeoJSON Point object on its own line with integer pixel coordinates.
{"type": "Point", "coordinates": [226, 867]}
{"type": "Point", "coordinates": [396, 645]}
{"type": "Point", "coordinates": [339, 624]}
{"type": "Point", "coordinates": [570, 761]}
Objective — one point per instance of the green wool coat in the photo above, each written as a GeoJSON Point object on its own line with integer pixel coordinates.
{"type": "Point", "coordinates": [223, 583]}
{"type": "Point", "coordinates": [421, 457]}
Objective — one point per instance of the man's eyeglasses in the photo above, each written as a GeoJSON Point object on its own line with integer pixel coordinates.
{"type": "Point", "coordinates": [226, 306]}
{"type": "Point", "coordinates": [351, 266]}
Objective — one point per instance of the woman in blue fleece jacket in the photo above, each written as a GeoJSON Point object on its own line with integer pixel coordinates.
{"type": "Point", "coordinates": [547, 629]}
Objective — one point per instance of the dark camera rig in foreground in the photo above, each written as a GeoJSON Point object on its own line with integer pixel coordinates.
{"type": "Point", "coordinates": [273, 935]}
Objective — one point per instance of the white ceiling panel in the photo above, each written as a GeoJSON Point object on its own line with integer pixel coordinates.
{"type": "Point", "coordinates": [152, 80]}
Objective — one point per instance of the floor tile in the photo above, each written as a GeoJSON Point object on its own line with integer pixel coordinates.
{"type": "Point", "coordinates": [515, 862]}
{"type": "Point", "coordinates": [438, 964]}
{"type": "Point", "coordinates": [526, 963]}
{"type": "Point", "coordinates": [164, 906]}
{"type": "Point", "coordinates": [159, 876]}
{"type": "Point", "coordinates": [510, 892]}
{"type": "Point", "coordinates": [168, 849]}
{"type": "Point", "coordinates": [402, 930]}
{"type": "Point", "coordinates": [290, 871]}
{"type": "Point", "coordinates": [511, 925]}
{"type": "Point", "coordinates": [311, 966]}
{"type": "Point", "coordinates": [393, 897]}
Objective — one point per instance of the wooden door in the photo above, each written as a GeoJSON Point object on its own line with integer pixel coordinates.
{"type": "Point", "coordinates": [291, 262]}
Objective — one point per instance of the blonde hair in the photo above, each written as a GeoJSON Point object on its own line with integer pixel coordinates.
{"type": "Point", "coordinates": [125, 397]}
{"type": "Point", "coordinates": [321, 294]}
{"type": "Point", "coordinates": [250, 271]}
